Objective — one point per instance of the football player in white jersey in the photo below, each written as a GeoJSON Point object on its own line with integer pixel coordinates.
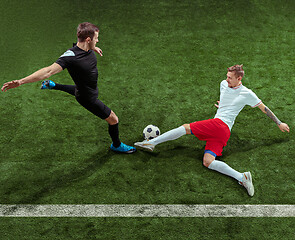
{"type": "Point", "coordinates": [216, 132]}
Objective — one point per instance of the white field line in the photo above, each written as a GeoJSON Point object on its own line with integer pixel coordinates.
{"type": "Point", "coordinates": [146, 210]}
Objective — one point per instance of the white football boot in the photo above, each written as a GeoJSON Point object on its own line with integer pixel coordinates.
{"type": "Point", "coordinates": [247, 183]}
{"type": "Point", "coordinates": [145, 145]}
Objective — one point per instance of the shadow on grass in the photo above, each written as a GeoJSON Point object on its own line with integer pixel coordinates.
{"type": "Point", "coordinates": [173, 151]}
{"type": "Point", "coordinates": [236, 145]}
{"type": "Point", "coordinates": [61, 180]}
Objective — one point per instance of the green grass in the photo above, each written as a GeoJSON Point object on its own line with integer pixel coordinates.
{"type": "Point", "coordinates": [162, 64]}
{"type": "Point", "coordinates": [148, 228]}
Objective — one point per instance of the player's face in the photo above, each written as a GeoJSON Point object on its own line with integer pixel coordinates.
{"type": "Point", "coordinates": [232, 80]}
{"type": "Point", "coordinates": [94, 41]}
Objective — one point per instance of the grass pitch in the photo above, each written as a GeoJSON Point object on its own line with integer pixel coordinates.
{"type": "Point", "coordinates": [162, 65]}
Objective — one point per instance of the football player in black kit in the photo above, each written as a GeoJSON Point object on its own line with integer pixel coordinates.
{"type": "Point", "coordinates": [81, 62]}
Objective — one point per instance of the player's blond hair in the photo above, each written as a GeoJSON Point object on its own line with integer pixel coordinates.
{"type": "Point", "coordinates": [237, 69]}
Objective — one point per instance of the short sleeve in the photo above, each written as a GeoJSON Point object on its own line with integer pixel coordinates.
{"type": "Point", "coordinates": [253, 100]}
{"type": "Point", "coordinates": [223, 85]}
{"type": "Point", "coordinates": [66, 59]}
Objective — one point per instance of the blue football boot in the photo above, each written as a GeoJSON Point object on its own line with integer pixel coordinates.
{"type": "Point", "coordinates": [123, 148]}
{"type": "Point", "coordinates": [48, 84]}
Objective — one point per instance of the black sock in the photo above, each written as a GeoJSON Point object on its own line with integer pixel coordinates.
{"type": "Point", "coordinates": [114, 133]}
{"type": "Point", "coordinates": [65, 88]}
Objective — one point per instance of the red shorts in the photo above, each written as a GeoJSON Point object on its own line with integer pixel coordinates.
{"type": "Point", "coordinates": [214, 131]}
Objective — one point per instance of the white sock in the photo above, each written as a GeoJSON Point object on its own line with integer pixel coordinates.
{"type": "Point", "coordinates": [170, 135]}
{"type": "Point", "coordinates": [223, 168]}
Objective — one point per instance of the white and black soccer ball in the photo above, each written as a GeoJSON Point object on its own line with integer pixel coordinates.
{"type": "Point", "coordinates": [150, 132]}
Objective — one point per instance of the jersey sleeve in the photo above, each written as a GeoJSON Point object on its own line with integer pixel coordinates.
{"type": "Point", "coordinates": [253, 100]}
{"type": "Point", "coordinates": [223, 85]}
{"type": "Point", "coordinates": [66, 59]}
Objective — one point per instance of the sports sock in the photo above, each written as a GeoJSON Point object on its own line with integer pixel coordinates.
{"type": "Point", "coordinates": [65, 88]}
{"type": "Point", "coordinates": [170, 135]}
{"type": "Point", "coordinates": [223, 168]}
{"type": "Point", "coordinates": [114, 133]}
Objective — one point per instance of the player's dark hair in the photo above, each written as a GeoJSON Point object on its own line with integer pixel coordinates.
{"type": "Point", "coordinates": [237, 69]}
{"type": "Point", "coordinates": [86, 30]}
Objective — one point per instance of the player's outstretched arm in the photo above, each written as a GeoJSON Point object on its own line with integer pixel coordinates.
{"type": "Point", "coordinates": [282, 126]}
{"type": "Point", "coordinates": [36, 76]}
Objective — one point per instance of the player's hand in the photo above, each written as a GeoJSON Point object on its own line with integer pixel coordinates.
{"type": "Point", "coordinates": [98, 50]}
{"type": "Point", "coordinates": [217, 105]}
{"type": "Point", "coordinates": [9, 85]}
{"type": "Point", "coordinates": [284, 127]}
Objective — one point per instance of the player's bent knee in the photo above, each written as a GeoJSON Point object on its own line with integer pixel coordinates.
{"type": "Point", "coordinates": [115, 118]}
{"type": "Point", "coordinates": [112, 119]}
{"type": "Point", "coordinates": [187, 128]}
{"type": "Point", "coordinates": [206, 163]}
{"type": "Point", "coordinates": [208, 159]}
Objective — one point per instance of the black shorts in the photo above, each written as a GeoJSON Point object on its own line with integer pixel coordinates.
{"type": "Point", "coordinates": [95, 106]}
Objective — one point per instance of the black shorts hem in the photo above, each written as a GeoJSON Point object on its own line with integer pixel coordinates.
{"type": "Point", "coordinates": [96, 107]}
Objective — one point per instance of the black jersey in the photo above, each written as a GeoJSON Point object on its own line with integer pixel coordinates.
{"type": "Point", "coordinates": [82, 66]}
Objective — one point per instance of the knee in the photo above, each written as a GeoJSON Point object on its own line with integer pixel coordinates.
{"type": "Point", "coordinates": [112, 119]}
{"type": "Point", "coordinates": [208, 159]}
{"type": "Point", "coordinates": [187, 128]}
{"type": "Point", "coordinates": [206, 163]}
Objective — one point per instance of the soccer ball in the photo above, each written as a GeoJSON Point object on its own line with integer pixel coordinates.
{"type": "Point", "coordinates": [150, 132]}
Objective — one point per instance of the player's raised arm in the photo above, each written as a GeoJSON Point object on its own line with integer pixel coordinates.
{"type": "Point", "coordinates": [98, 50]}
{"type": "Point", "coordinates": [282, 126]}
{"type": "Point", "coordinates": [36, 76]}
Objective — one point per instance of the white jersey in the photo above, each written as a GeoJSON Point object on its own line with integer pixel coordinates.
{"type": "Point", "coordinates": [233, 100]}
